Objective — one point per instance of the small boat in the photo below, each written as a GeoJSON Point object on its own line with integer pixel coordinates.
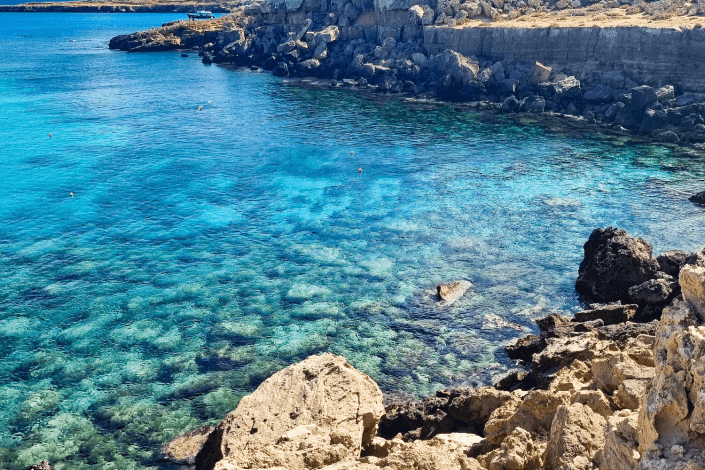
{"type": "Point", "coordinates": [200, 15]}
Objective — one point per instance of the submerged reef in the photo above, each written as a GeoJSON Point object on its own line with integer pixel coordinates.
{"type": "Point", "coordinates": [631, 68]}
{"type": "Point", "coordinates": [601, 391]}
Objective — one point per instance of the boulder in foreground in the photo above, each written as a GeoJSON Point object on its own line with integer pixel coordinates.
{"type": "Point", "coordinates": [309, 415]}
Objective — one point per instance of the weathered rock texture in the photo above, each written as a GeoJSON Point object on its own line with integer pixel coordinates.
{"type": "Point", "coordinates": [309, 415]}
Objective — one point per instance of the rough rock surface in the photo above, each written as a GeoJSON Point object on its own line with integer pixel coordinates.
{"type": "Point", "coordinates": [577, 435]}
{"type": "Point", "coordinates": [621, 442]}
{"type": "Point", "coordinates": [610, 314]}
{"type": "Point", "coordinates": [450, 293]}
{"type": "Point", "coordinates": [183, 449]}
{"type": "Point", "coordinates": [518, 450]}
{"type": "Point", "coordinates": [613, 263]}
{"type": "Point", "coordinates": [311, 414]}
{"type": "Point", "coordinates": [671, 415]}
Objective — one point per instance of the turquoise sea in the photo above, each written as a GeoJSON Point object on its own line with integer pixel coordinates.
{"type": "Point", "coordinates": [203, 250]}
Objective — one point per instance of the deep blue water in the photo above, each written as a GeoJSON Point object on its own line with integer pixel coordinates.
{"type": "Point", "coordinates": [203, 250]}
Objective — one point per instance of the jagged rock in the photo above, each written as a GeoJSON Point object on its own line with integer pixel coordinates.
{"type": "Point", "coordinates": [321, 52]}
{"type": "Point", "coordinates": [515, 380]}
{"type": "Point", "coordinates": [450, 293]}
{"type": "Point", "coordinates": [422, 419]}
{"type": "Point", "coordinates": [476, 407]}
{"type": "Point", "coordinates": [443, 452]}
{"type": "Point", "coordinates": [673, 409]}
{"type": "Point", "coordinates": [566, 89]}
{"type": "Point", "coordinates": [664, 93]}
{"type": "Point", "coordinates": [577, 435]}
{"type": "Point", "coordinates": [535, 104]}
{"type": "Point", "coordinates": [613, 263]}
{"type": "Point", "coordinates": [311, 414]}
{"type": "Point", "coordinates": [572, 379]}
{"type": "Point", "coordinates": [183, 449]}
{"type": "Point", "coordinates": [510, 104]}
{"type": "Point", "coordinates": [460, 69]}
{"type": "Point", "coordinates": [670, 261]}
{"type": "Point", "coordinates": [559, 353]}
{"type": "Point", "coordinates": [621, 442]}
{"type": "Point", "coordinates": [610, 314]}
{"type": "Point", "coordinates": [692, 282]}
{"type": "Point", "coordinates": [518, 451]}
{"type": "Point", "coordinates": [599, 94]}
{"type": "Point", "coordinates": [596, 400]}
{"type": "Point", "coordinates": [540, 73]}
{"type": "Point", "coordinates": [525, 347]}
{"type": "Point", "coordinates": [328, 35]}
{"type": "Point", "coordinates": [308, 65]}
{"type": "Point", "coordinates": [653, 291]}
{"type": "Point", "coordinates": [622, 332]}
{"type": "Point", "coordinates": [281, 70]}
{"type": "Point", "coordinates": [534, 412]}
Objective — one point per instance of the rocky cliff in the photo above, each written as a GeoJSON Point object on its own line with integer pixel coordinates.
{"type": "Point", "coordinates": [635, 67]}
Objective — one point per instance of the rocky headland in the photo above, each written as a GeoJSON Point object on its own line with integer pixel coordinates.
{"type": "Point", "coordinates": [630, 66]}
{"type": "Point", "coordinates": [620, 386]}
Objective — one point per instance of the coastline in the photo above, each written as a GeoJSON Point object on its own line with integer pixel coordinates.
{"type": "Point", "coordinates": [400, 51]}
{"type": "Point", "coordinates": [598, 393]}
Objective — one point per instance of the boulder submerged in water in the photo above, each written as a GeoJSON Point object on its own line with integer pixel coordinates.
{"type": "Point", "coordinates": [698, 199]}
{"type": "Point", "coordinates": [450, 293]}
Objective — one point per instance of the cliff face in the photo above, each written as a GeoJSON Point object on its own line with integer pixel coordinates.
{"type": "Point", "coordinates": [655, 56]}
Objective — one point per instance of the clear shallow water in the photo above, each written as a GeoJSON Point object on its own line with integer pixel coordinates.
{"type": "Point", "coordinates": [204, 250]}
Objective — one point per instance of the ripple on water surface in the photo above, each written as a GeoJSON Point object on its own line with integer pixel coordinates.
{"type": "Point", "coordinates": [205, 250]}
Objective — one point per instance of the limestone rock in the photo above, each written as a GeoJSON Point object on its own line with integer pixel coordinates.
{"type": "Point", "coordinates": [308, 415]}
{"type": "Point", "coordinates": [610, 314]}
{"type": "Point", "coordinates": [671, 415]}
{"type": "Point", "coordinates": [443, 452]}
{"type": "Point", "coordinates": [518, 451]}
{"type": "Point", "coordinates": [534, 413]}
{"type": "Point", "coordinates": [613, 263]}
{"type": "Point", "coordinates": [476, 407]}
{"type": "Point", "coordinates": [595, 400]}
{"type": "Point", "coordinates": [621, 446]}
{"type": "Point", "coordinates": [692, 282]}
{"type": "Point", "coordinates": [559, 353]}
{"type": "Point", "coordinates": [577, 435]}
{"type": "Point", "coordinates": [183, 449]}
{"type": "Point", "coordinates": [540, 73]}
{"type": "Point", "coordinates": [460, 69]}
{"type": "Point", "coordinates": [450, 293]}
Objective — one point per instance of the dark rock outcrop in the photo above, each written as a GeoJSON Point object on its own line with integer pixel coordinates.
{"type": "Point", "coordinates": [610, 314]}
{"type": "Point", "coordinates": [613, 263]}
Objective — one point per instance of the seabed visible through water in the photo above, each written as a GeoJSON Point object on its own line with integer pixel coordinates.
{"type": "Point", "coordinates": [204, 250]}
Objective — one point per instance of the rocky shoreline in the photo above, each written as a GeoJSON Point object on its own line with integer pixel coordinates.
{"type": "Point", "coordinates": [409, 49]}
{"type": "Point", "coordinates": [119, 7]}
{"type": "Point", "coordinates": [616, 387]}
{"type": "Point", "coordinates": [619, 386]}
